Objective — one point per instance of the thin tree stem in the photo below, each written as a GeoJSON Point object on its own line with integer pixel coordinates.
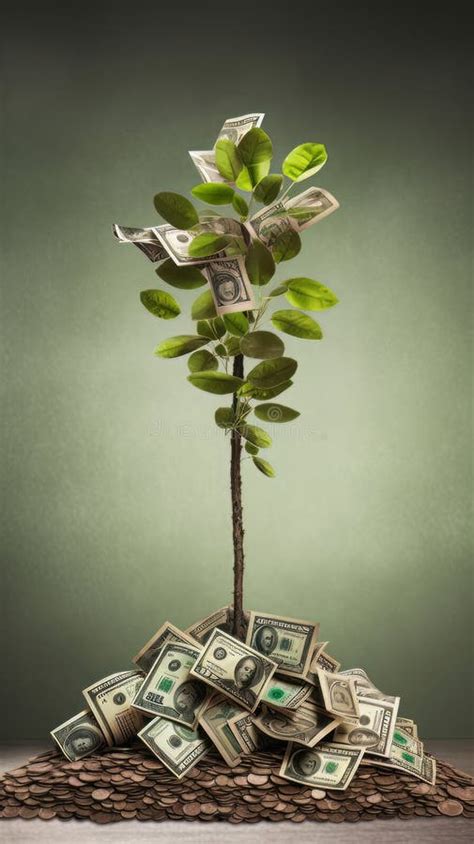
{"type": "Point", "coordinates": [237, 520]}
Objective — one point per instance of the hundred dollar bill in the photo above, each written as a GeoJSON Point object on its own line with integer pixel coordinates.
{"type": "Point", "coordinates": [286, 694]}
{"type": "Point", "coordinates": [177, 241]}
{"type": "Point", "coordinates": [230, 285]}
{"type": "Point", "coordinates": [215, 722]}
{"type": "Point", "coordinates": [328, 765]}
{"type": "Point", "coordinates": [408, 725]}
{"type": "Point", "coordinates": [288, 641]}
{"type": "Point", "coordinates": [167, 632]}
{"type": "Point", "coordinates": [308, 725]}
{"type": "Point", "coordinates": [234, 668]}
{"type": "Point", "coordinates": [177, 746]}
{"type": "Point", "coordinates": [245, 731]}
{"type": "Point", "coordinates": [110, 700]}
{"type": "Point", "coordinates": [364, 685]}
{"type": "Point", "coordinates": [321, 659]}
{"type": "Point", "coordinates": [375, 728]}
{"type": "Point", "coordinates": [169, 690]}
{"type": "Point", "coordinates": [419, 765]}
{"type": "Point", "coordinates": [271, 222]}
{"type": "Point", "coordinates": [201, 630]}
{"type": "Point", "coordinates": [145, 239]}
{"type": "Point", "coordinates": [339, 695]}
{"type": "Point", "coordinates": [310, 206]}
{"type": "Point", "coordinates": [204, 161]}
{"type": "Point", "coordinates": [233, 130]}
{"type": "Point", "coordinates": [80, 736]}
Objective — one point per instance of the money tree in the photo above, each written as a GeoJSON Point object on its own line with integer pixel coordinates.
{"type": "Point", "coordinates": [234, 254]}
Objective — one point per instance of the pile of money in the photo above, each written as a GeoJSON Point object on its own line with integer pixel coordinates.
{"type": "Point", "coordinates": [201, 688]}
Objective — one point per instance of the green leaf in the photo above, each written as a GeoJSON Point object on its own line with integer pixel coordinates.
{"type": "Point", "coordinates": [176, 209]}
{"type": "Point", "coordinates": [249, 177]}
{"type": "Point", "coordinates": [259, 263]}
{"type": "Point", "coordinates": [270, 373]}
{"type": "Point", "coordinates": [310, 295]}
{"type": "Point", "coordinates": [216, 193]}
{"type": "Point", "coordinates": [240, 205]}
{"type": "Point", "coordinates": [186, 278]}
{"type": "Point", "coordinates": [262, 344]}
{"type": "Point", "coordinates": [270, 392]}
{"type": "Point", "coordinates": [236, 323]}
{"type": "Point", "coordinates": [272, 412]}
{"type": "Point", "coordinates": [255, 147]}
{"type": "Point", "coordinates": [251, 449]}
{"type": "Point", "coordinates": [268, 188]}
{"type": "Point", "coordinates": [286, 246]}
{"type": "Point", "coordinates": [206, 244]}
{"type": "Point", "coordinates": [174, 347]}
{"type": "Point", "coordinates": [265, 467]}
{"type": "Point", "coordinates": [279, 289]}
{"type": "Point", "coordinates": [304, 161]}
{"type": "Point", "coordinates": [255, 435]}
{"type": "Point", "coordinates": [233, 346]}
{"type": "Point", "coordinates": [203, 307]}
{"type": "Point", "coordinates": [215, 382]}
{"type": "Point", "coordinates": [297, 324]}
{"type": "Point", "coordinates": [221, 350]}
{"type": "Point", "coordinates": [213, 328]}
{"type": "Point", "coordinates": [160, 304]}
{"type": "Point", "coordinates": [224, 417]}
{"type": "Point", "coordinates": [202, 360]}
{"type": "Point", "coordinates": [228, 160]}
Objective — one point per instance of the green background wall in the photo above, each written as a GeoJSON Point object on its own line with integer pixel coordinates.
{"type": "Point", "coordinates": [115, 481]}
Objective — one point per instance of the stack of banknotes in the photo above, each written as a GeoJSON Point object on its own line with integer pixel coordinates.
{"type": "Point", "coordinates": [200, 688]}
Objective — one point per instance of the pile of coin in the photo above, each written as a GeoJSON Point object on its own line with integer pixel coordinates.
{"type": "Point", "coordinates": [121, 784]}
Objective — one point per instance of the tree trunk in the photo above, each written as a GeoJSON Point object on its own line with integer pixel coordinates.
{"type": "Point", "coordinates": [237, 522]}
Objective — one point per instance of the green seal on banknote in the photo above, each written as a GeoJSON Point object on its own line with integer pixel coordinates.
{"type": "Point", "coordinates": [276, 694]}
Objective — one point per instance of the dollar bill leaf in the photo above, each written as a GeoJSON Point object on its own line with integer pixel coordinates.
{"type": "Point", "coordinates": [186, 278]}
{"type": "Point", "coordinates": [262, 344]}
{"type": "Point", "coordinates": [268, 188]}
{"type": "Point", "coordinates": [228, 160]}
{"type": "Point", "coordinates": [202, 360]}
{"type": "Point", "coordinates": [206, 244]}
{"type": "Point", "coordinates": [297, 324]}
{"type": "Point", "coordinates": [255, 435]}
{"type": "Point", "coordinates": [310, 295]}
{"type": "Point", "coordinates": [216, 193]}
{"type": "Point", "coordinates": [236, 323]}
{"type": "Point", "coordinates": [265, 467]}
{"type": "Point", "coordinates": [240, 205]}
{"type": "Point", "coordinates": [250, 448]}
{"type": "Point", "coordinates": [271, 412]}
{"type": "Point", "coordinates": [182, 344]}
{"type": "Point", "coordinates": [224, 417]}
{"type": "Point", "coordinates": [286, 246]}
{"type": "Point", "coordinates": [255, 147]}
{"type": "Point", "coordinates": [261, 394]}
{"type": "Point", "coordinates": [203, 307]}
{"type": "Point", "coordinates": [249, 177]}
{"type": "Point", "coordinates": [176, 209]}
{"type": "Point", "coordinates": [215, 382]}
{"type": "Point", "coordinates": [304, 161]}
{"type": "Point", "coordinates": [160, 304]}
{"type": "Point", "coordinates": [259, 263]}
{"type": "Point", "coordinates": [232, 345]}
{"type": "Point", "coordinates": [271, 373]}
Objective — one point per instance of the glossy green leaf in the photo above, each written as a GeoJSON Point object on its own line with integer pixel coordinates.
{"type": "Point", "coordinates": [221, 350]}
{"type": "Point", "coordinates": [232, 345]}
{"type": "Point", "coordinates": [304, 161]}
{"type": "Point", "coordinates": [176, 209]}
{"type": "Point", "coordinates": [255, 435]}
{"type": "Point", "coordinates": [228, 160]}
{"type": "Point", "coordinates": [224, 417]}
{"type": "Point", "coordinates": [240, 205]}
{"type": "Point", "coordinates": [297, 324]}
{"type": "Point", "coordinates": [286, 246]}
{"type": "Point", "coordinates": [268, 188]}
{"type": "Point", "coordinates": [310, 295]}
{"type": "Point", "coordinates": [270, 373]}
{"type": "Point", "coordinates": [270, 392]}
{"type": "Point", "coordinates": [255, 147]}
{"type": "Point", "coordinates": [236, 323]}
{"type": "Point", "coordinates": [215, 382]}
{"type": "Point", "coordinates": [249, 177]}
{"type": "Point", "coordinates": [250, 448]}
{"type": "Point", "coordinates": [272, 412]}
{"type": "Point", "coordinates": [262, 344]}
{"type": "Point", "coordinates": [279, 290]}
{"type": "Point", "coordinates": [186, 278]}
{"type": "Point", "coordinates": [160, 304]}
{"type": "Point", "coordinates": [206, 244]}
{"type": "Point", "coordinates": [259, 263]}
{"type": "Point", "coordinates": [265, 467]}
{"type": "Point", "coordinates": [203, 307]}
{"type": "Point", "coordinates": [216, 193]}
{"type": "Point", "coordinates": [202, 360]}
{"type": "Point", "coordinates": [182, 344]}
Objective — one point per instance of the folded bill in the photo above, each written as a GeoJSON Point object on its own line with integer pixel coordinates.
{"type": "Point", "coordinates": [166, 633]}
{"type": "Point", "coordinates": [310, 207]}
{"type": "Point", "coordinates": [364, 686]}
{"type": "Point", "coordinates": [79, 736]}
{"type": "Point", "coordinates": [245, 731]}
{"type": "Point", "coordinates": [144, 239]}
{"type": "Point", "coordinates": [286, 694]}
{"type": "Point", "coordinates": [176, 242]}
{"type": "Point", "coordinates": [288, 641]}
{"type": "Point", "coordinates": [408, 725]}
{"type": "Point", "coordinates": [375, 728]}
{"type": "Point", "coordinates": [230, 285]}
{"type": "Point", "coordinates": [202, 629]}
{"type": "Point", "coordinates": [308, 725]}
{"type": "Point", "coordinates": [327, 766]}
{"type": "Point", "coordinates": [234, 129]}
{"type": "Point", "coordinates": [339, 694]}
{"type": "Point", "coordinates": [418, 764]}
{"type": "Point", "coordinates": [110, 701]}
{"type": "Point", "coordinates": [176, 746]}
{"type": "Point", "coordinates": [321, 659]}
{"type": "Point", "coordinates": [215, 722]}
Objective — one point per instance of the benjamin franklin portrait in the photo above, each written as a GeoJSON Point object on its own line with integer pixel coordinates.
{"type": "Point", "coordinates": [305, 763]}
{"type": "Point", "coordinates": [187, 697]}
{"type": "Point", "coordinates": [265, 639]}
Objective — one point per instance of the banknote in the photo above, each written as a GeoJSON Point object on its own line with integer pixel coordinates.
{"type": "Point", "coordinates": [339, 694]}
{"type": "Point", "coordinates": [79, 736]}
{"type": "Point", "coordinates": [177, 746]}
{"type": "Point", "coordinates": [245, 731]}
{"type": "Point", "coordinates": [286, 694]}
{"type": "Point", "coordinates": [214, 721]}
{"type": "Point", "coordinates": [321, 659]}
{"type": "Point", "coordinates": [145, 239]}
{"type": "Point", "coordinates": [177, 241]}
{"type": "Point", "coordinates": [310, 206]}
{"type": "Point", "coordinates": [204, 161]}
{"type": "Point", "coordinates": [168, 689]}
{"type": "Point", "coordinates": [375, 728]}
{"type": "Point", "coordinates": [308, 725]}
{"type": "Point", "coordinates": [328, 765]}
{"type": "Point", "coordinates": [404, 740]}
{"type": "Point", "coordinates": [201, 630]}
{"type": "Point", "coordinates": [288, 641]}
{"type": "Point", "coordinates": [167, 632]}
{"type": "Point", "coordinates": [418, 764]}
{"type": "Point", "coordinates": [408, 725]}
{"type": "Point", "coordinates": [234, 668]}
{"type": "Point", "coordinates": [233, 130]}
{"type": "Point", "coordinates": [364, 685]}
{"type": "Point", "coordinates": [230, 285]}
{"type": "Point", "coordinates": [110, 700]}
{"type": "Point", "coordinates": [271, 222]}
